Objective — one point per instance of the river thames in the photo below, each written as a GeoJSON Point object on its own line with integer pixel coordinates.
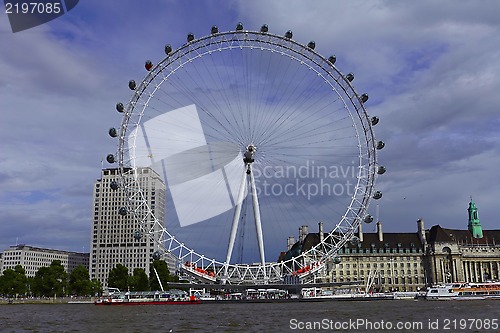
{"type": "Point", "coordinates": [336, 316]}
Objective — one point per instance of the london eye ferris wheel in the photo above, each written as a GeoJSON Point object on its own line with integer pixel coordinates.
{"type": "Point", "coordinates": [255, 136]}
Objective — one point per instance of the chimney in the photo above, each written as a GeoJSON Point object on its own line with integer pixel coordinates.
{"type": "Point", "coordinates": [321, 232]}
{"type": "Point", "coordinates": [379, 231]}
{"type": "Point", "coordinates": [303, 231]}
{"type": "Point", "coordinates": [421, 231]}
{"type": "Point", "coordinates": [360, 232]}
{"type": "Point", "coordinates": [290, 242]}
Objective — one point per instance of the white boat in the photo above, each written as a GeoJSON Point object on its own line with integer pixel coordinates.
{"type": "Point", "coordinates": [344, 294]}
{"type": "Point", "coordinates": [464, 291]}
{"type": "Point", "coordinates": [405, 294]}
{"type": "Point", "coordinates": [148, 298]}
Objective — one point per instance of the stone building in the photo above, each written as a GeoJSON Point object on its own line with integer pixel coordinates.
{"type": "Point", "coordinates": [471, 255]}
{"type": "Point", "coordinates": [410, 261]}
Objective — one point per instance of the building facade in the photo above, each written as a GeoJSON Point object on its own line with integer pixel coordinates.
{"type": "Point", "coordinates": [33, 258]}
{"type": "Point", "coordinates": [377, 261]}
{"type": "Point", "coordinates": [455, 256]}
{"type": "Point", "coordinates": [382, 261]}
{"type": "Point", "coordinates": [116, 238]}
{"type": "Point", "coordinates": [471, 255]}
{"type": "Point", "coordinates": [411, 261]}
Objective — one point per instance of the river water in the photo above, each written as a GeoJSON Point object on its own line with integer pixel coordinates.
{"type": "Point", "coordinates": [333, 316]}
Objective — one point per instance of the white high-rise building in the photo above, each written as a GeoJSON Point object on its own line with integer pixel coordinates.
{"type": "Point", "coordinates": [112, 238]}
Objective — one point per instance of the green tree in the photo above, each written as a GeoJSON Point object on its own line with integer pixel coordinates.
{"type": "Point", "coordinates": [118, 277]}
{"type": "Point", "coordinates": [13, 282]}
{"type": "Point", "coordinates": [95, 287]}
{"type": "Point", "coordinates": [51, 280]}
{"type": "Point", "coordinates": [164, 274]}
{"type": "Point", "coordinates": [40, 284]}
{"type": "Point", "coordinates": [139, 280]}
{"type": "Point", "coordinates": [79, 281]}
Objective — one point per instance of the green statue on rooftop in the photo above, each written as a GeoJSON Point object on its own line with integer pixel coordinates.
{"type": "Point", "coordinates": [475, 227]}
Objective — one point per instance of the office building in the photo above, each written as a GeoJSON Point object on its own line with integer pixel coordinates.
{"type": "Point", "coordinates": [116, 238]}
{"type": "Point", "coordinates": [33, 258]}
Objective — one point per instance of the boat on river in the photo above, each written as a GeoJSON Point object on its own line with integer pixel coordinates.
{"type": "Point", "coordinates": [344, 295]}
{"type": "Point", "coordinates": [170, 297]}
{"type": "Point", "coordinates": [464, 291]}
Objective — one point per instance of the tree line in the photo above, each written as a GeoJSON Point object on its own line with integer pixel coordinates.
{"type": "Point", "coordinates": [54, 281]}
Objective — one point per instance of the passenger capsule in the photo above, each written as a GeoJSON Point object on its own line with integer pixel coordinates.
{"type": "Point", "coordinates": [122, 211]}
{"type": "Point", "coordinates": [264, 28]}
{"type": "Point", "coordinates": [110, 158]}
{"type": "Point", "coordinates": [337, 260]}
{"type": "Point", "coordinates": [156, 255]}
{"type": "Point", "coordinates": [113, 185]}
{"type": "Point", "coordinates": [131, 84]}
{"type": "Point", "coordinates": [239, 26]}
{"type": "Point", "coordinates": [168, 49]}
{"type": "Point", "coordinates": [311, 45]}
{"type": "Point", "coordinates": [332, 59]}
{"type": "Point", "coordinates": [137, 234]}
{"type": "Point", "coordinates": [190, 37]}
{"type": "Point", "coordinates": [349, 77]}
{"type": "Point", "coordinates": [289, 34]}
{"type": "Point", "coordinates": [364, 98]}
{"type": "Point", "coordinates": [148, 65]}
{"type": "Point", "coordinates": [113, 132]}
{"type": "Point", "coordinates": [377, 195]}
{"type": "Point", "coordinates": [214, 29]}
{"type": "Point", "coordinates": [381, 170]}
{"type": "Point", "coordinates": [368, 219]}
{"type": "Point", "coordinates": [375, 120]}
{"type": "Point", "coordinates": [120, 107]}
{"type": "Point", "coordinates": [380, 145]}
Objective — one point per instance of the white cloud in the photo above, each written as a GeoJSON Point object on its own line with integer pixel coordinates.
{"type": "Point", "coordinates": [429, 68]}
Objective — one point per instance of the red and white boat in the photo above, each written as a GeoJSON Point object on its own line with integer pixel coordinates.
{"type": "Point", "coordinates": [464, 291]}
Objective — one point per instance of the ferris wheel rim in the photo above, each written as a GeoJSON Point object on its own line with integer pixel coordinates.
{"type": "Point", "coordinates": [366, 133]}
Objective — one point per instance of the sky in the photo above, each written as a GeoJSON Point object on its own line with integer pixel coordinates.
{"type": "Point", "coordinates": [430, 69]}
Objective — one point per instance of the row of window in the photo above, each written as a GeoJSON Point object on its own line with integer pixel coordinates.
{"type": "Point", "coordinates": [375, 265]}
{"type": "Point", "coordinates": [383, 280]}
{"type": "Point", "coordinates": [382, 272]}
{"type": "Point", "coordinates": [379, 250]}
{"type": "Point", "coordinates": [378, 258]}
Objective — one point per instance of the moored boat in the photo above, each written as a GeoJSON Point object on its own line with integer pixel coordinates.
{"type": "Point", "coordinates": [464, 291]}
{"type": "Point", "coordinates": [171, 297]}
